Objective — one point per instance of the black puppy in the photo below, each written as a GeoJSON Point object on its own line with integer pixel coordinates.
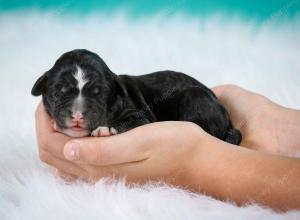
{"type": "Point", "coordinates": [84, 97]}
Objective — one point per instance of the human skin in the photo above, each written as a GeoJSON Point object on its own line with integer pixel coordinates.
{"type": "Point", "coordinates": [265, 125]}
{"type": "Point", "coordinates": [182, 154]}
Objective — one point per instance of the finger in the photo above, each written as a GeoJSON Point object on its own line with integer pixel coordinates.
{"type": "Point", "coordinates": [43, 120]}
{"type": "Point", "coordinates": [54, 144]}
{"type": "Point", "coordinates": [218, 90]}
{"type": "Point", "coordinates": [134, 172]}
{"type": "Point", "coordinates": [122, 148]}
{"type": "Point", "coordinates": [49, 140]}
{"type": "Point", "coordinates": [131, 171]}
{"type": "Point", "coordinates": [62, 165]}
{"type": "Point", "coordinates": [240, 103]}
{"type": "Point", "coordinates": [229, 89]}
{"type": "Point", "coordinates": [65, 176]}
{"type": "Point", "coordinates": [221, 89]}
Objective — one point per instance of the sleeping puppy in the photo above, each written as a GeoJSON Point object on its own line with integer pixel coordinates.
{"type": "Point", "coordinates": [84, 97]}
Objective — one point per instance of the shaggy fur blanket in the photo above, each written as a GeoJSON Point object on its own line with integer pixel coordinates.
{"type": "Point", "coordinates": [263, 58]}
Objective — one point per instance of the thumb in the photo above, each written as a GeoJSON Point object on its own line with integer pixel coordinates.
{"type": "Point", "coordinates": [121, 148]}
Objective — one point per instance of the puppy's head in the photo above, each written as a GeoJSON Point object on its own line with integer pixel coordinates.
{"type": "Point", "coordinates": [78, 92]}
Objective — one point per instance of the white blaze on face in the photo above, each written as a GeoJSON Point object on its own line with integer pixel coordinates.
{"type": "Point", "coordinates": [78, 106]}
{"type": "Point", "coordinates": [79, 101]}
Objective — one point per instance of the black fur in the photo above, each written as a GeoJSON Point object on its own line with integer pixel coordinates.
{"type": "Point", "coordinates": [125, 102]}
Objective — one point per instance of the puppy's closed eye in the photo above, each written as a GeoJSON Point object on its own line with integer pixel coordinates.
{"type": "Point", "coordinates": [68, 90]}
{"type": "Point", "coordinates": [64, 89]}
{"type": "Point", "coordinates": [95, 90]}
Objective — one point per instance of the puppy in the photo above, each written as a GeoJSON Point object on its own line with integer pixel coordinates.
{"type": "Point", "coordinates": [84, 97]}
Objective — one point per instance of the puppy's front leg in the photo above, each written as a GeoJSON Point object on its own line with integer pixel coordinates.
{"type": "Point", "coordinates": [102, 131]}
{"type": "Point", "coordinates": [130, 123]}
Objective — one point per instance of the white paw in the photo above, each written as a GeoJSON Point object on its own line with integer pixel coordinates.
{"type": "Point", "coordinates": [104, 131]}
{"type": "Point", "coordinates": [113, 131]}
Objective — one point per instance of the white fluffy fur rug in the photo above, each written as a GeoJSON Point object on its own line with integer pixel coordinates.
{"type": "Point", "coordinates": [261, 58]}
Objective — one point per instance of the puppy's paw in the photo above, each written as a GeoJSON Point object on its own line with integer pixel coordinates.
{"type": "Point", "coordinates": [113, 131]}
{"type": "Point", "coordinates": [104, 131]}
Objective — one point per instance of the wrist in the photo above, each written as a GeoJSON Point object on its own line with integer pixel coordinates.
{"type": "Point", "coordinates": [201, 162]}
{"type": "Point", "coordinates": [209, 164]}
{"type": "Point", "coordinates": [182, 173]}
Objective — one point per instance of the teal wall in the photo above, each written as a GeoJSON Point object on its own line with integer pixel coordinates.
{"type": "Point", "coordinates": [260, 9]}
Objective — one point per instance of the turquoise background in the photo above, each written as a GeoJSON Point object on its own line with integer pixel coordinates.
{"type": "Point", "coordinates": [259, 9]}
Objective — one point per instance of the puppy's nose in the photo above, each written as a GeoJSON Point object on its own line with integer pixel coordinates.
{"type": "Point", "coordinates": [77, 117]}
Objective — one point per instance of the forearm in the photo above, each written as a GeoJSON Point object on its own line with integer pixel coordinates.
{"type": "Point", "coordinates": [229, 172]}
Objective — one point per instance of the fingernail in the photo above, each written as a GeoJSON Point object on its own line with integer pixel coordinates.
{"type": "Point", "coordinates": [71, 151]}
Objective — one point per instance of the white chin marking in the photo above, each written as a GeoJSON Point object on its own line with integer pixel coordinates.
{"type": "Point", "coordinates": [77, 134]}
{"type": "Point", "coordinates": [70, 132]}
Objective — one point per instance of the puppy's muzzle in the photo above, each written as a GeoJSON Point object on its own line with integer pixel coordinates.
{"type": "Point", "coordinates": [77, 117]}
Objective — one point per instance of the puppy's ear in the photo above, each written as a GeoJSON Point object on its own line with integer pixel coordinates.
{"type": "Point", "coordinates": [120, 87]}
{"type": "Point", "coordinates": [40, 85]}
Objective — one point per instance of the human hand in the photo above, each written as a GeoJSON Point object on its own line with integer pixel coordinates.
{"type": "Point", "coordinates": [264, 125]}
{"type": "Point", "coordinates": [157, 151]}
{"type": "Point", "coordinates": [179, 153]}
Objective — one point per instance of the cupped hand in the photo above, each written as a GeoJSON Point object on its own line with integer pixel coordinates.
{"type": "Point", "coordinates": [265, 126]}
{"type": "Point", "coordinates": [156, 151]}
{"type": "Point", "coordinates": [164, 150]}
